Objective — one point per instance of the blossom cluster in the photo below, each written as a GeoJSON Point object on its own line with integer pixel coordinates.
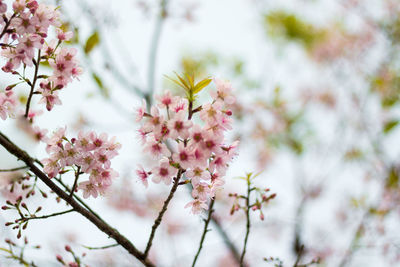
{"type": "Point", "coordinates": [25, 30]}
{"type": "Point", "coordinates": [23, 34]}
{"type": "Point", "coordinates": [88, 153]}
{"type": "Point", "coordinates": [8, 102]}
{"type": "Point", "coordinates": [184, 145]}
{"type": "Point", "coordinates": [65, 67]}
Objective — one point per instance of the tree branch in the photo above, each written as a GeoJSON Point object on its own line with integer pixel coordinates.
{"type": "Point", "coordinates": [14, 169]}
{"type": "Point", "coordinates": [248, 225]}
{"type": "Point", "coordinates": [28, 103]}
{"type": "Point", "coordinates": [203, 236]}
{"type": "Point", "coordinates": [157, 222]}
{"type": "Point", "coordinates": [100, 224]}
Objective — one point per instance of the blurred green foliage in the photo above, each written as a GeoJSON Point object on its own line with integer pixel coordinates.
{"type": "Point", "coordinates": [198, 65]}
{"type": "Point", "coordinates": [392, 29]}
{"type": "Point", "coordinates": [92, 42]}
{"type": "Point", "coordinates": [388, 87]}
{"type": "Point", "coordinates": [287, 26]}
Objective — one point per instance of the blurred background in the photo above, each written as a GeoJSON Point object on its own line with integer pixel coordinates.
{"type": "Point", "coordinates": [317, 85]}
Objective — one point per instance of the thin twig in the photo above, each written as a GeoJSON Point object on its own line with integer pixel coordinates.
{"type": "Point", "coordinates": [103, 247]}
{"type": "Point", "coordinates": [28, 103]}
{"type": "Point", "coordinates": [299, 254]}
{"type": "Point", "coordinates": [348, 255]}
{"type": "Point", "coordinates": [248, 224]}
{"type": "Point", "coordinates": [77, 173]}
{"type": "Point", "coordinates": [203, 236]}
{"type": "Point", "coordinates": [100, 224]}
{"type": "Point", "coordinates": [14, 169]}
{"type": "Point", "coordinates": [47, 216]}
{"type": "Point", "coordinates": [157, 222]}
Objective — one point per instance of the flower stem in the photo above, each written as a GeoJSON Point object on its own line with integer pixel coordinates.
{"type": "Point", "coordinates": [248, 224]}
{"type": "Point", "coordinates": [203, 236]}
{"type": "Point", "coordinates": [14, 169]}
{"type": "Point", "coordinates": [157, 222]}
{"type": "Point", "coordinates": [28, 103]}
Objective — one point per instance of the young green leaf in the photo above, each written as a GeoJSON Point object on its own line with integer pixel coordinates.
{"type": "Point", "coordinates": [92, 42]}
{"type": "Point", "coordinates": [202, 84]}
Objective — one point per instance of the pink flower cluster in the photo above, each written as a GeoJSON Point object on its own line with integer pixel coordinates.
{"type": "Point", "coordinates": [65, 67]}
{"type": "Point", "coordinates": [23, 35]}
{"type": "Point", "coordinates": [25, 30]}
{"type": "Point", "coordinates": [8, 102]}
{"type": "Point", "coordinates": [88, 153]}
{"type": "Point", "coordinates": [197, 150]}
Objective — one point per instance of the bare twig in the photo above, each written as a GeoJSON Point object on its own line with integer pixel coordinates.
{"type": "Point", "coordinates": [14, 169]}
{"type": "Point", "coordinates": [248, 224]}
{"type": "Point", "coordinates": [77, 173]}
{"type": "Point", "coordinates": [157, 222]}
{"type": "Point", "coordinates": [203, 236]}
{"type": "Point", "coordinates": [47, 216]}
{"type": "Point", "coordinates": [103, 247]}
{"type": "Point", "coordinates": [35, 76]}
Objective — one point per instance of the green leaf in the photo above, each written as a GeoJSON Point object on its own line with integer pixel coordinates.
{"type": "Point", "coordinates": [100, 85]}
{"type": "Point", "coordinates": [200, 85]}
{"type": "Point", "coordinates": [190, 79]}
{"type": "Point", "coordinates": [45, 63]}
{"type": "Point", "coordinates": [92, 42]}
{"type": "Point", "coordinates": [185, 85]}
{"type": "Point", "coordinates": [390, 125]}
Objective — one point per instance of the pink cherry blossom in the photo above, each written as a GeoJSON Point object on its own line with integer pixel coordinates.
{"type": "Point", "coordinates": [201, 191]}
{"type": "Point", "coordinates": [197, 174]}
{"type": "Point", "coordinates": [166, 100]}
{"type": "Point", "coordinates": [224, 92]}
{"type": "Point", "coordinates": [156, 147]}
{"type": "Point", "coordinates": [183, 156]}
{"type": "Point", "coordinates": [197, 206]}
{"type": "Point", "coordinates": [89, 189]}
{"type": "Point", "coordinates": [143, 175]}
{"type": "Point", "coordinates": [140, 111]}
{"type": "Point", "coordinates": [8, 103]}
{"type": "Point", "coordinates": [179, 126]}
{"type": "Point", "coordinates": [164, 172]}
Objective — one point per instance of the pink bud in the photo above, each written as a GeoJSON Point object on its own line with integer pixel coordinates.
{"type": "Point", "coordinates": [59, 258]}
{"type": "Point", "coordinates": [68, 248]}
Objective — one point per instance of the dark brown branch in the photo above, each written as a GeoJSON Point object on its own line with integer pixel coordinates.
{"type": "Point", "coordinates": [203, 236]}
{"type": "Point", "coordinates": [157, 222]}
{"type": "Point", "coordinates": [100, 224]}
{"type": "Point", "coordinates": [299, 254]}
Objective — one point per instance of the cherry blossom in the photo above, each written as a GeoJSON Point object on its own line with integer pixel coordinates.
{"type": "Point", "coordinates": [179, 145]}
{"type": "Point", "coordinates": [88, 153]}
